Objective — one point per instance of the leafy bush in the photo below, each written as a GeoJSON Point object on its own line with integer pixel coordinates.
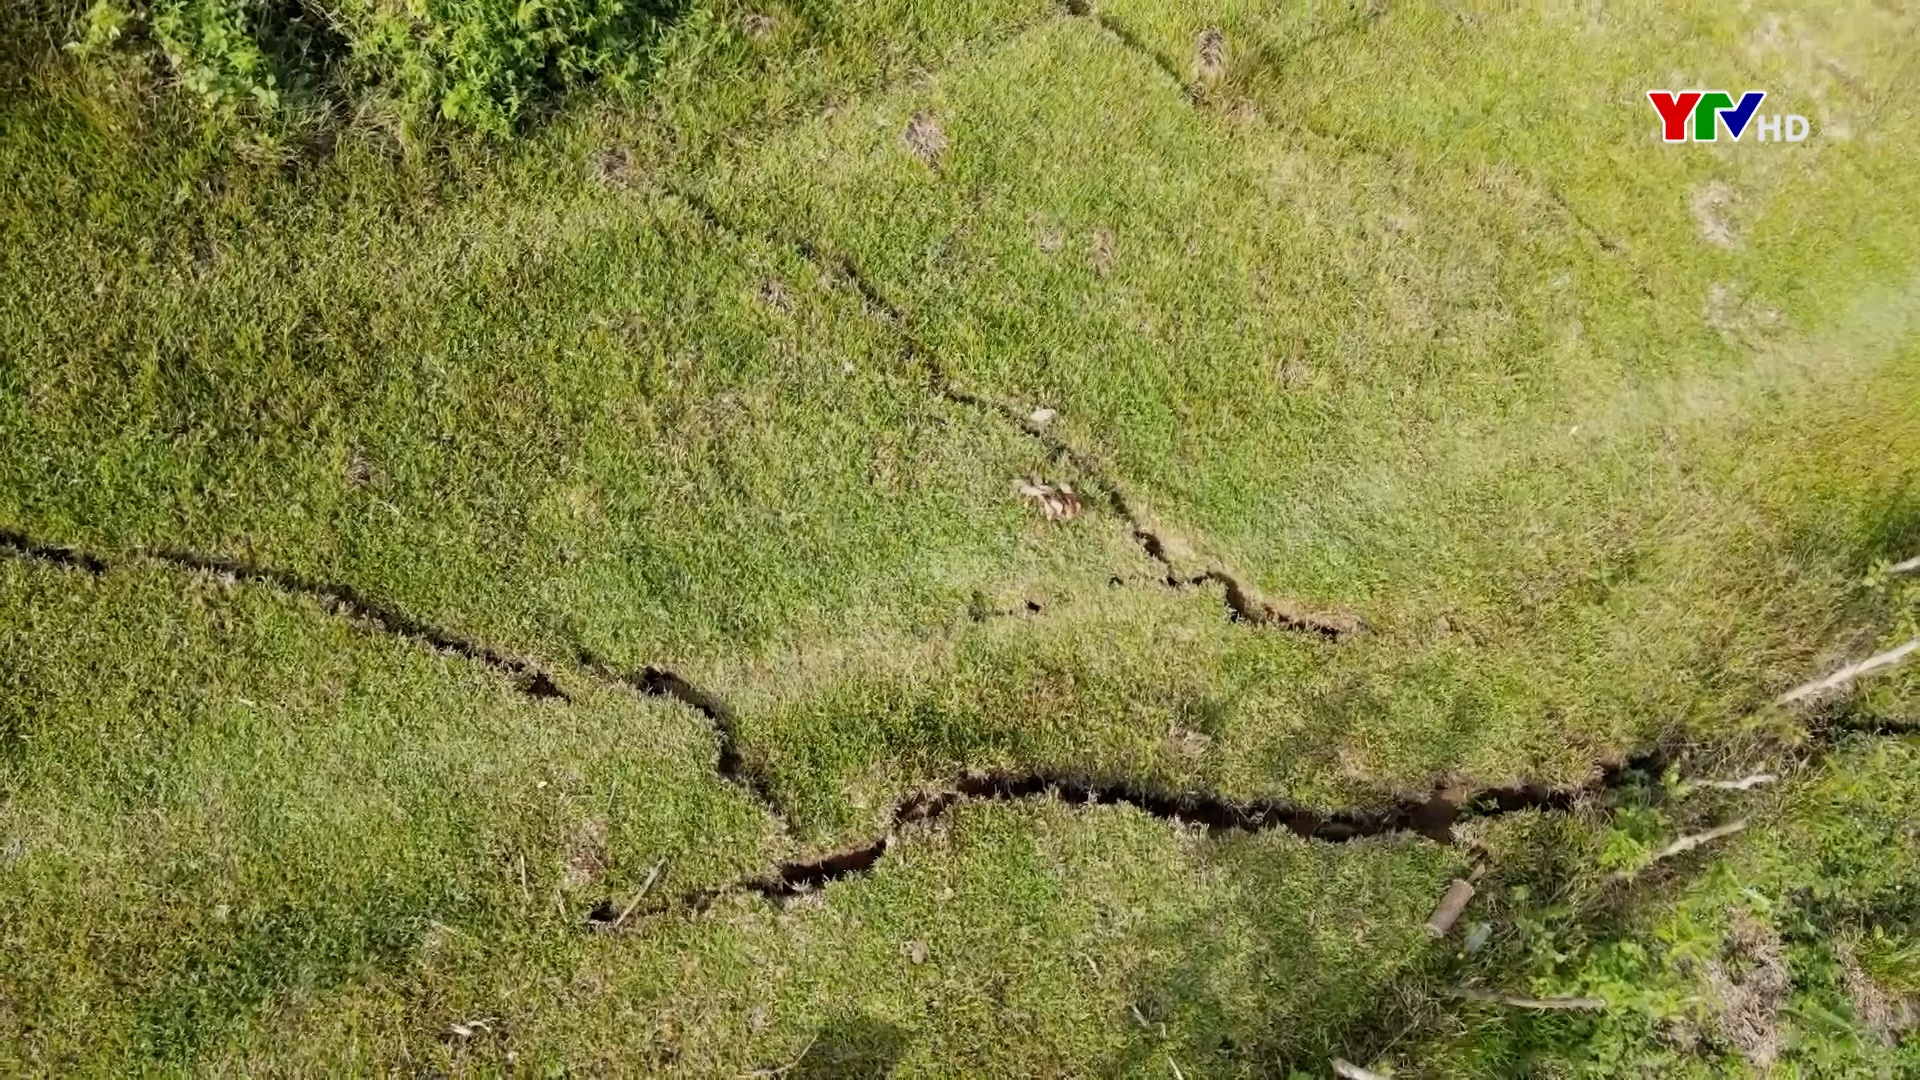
{"type": "Point", "coordinates": [478, 63]}
{"type": "Point", "coordinates": [214, 49]}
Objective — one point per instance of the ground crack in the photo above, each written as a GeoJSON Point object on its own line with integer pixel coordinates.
{"type": "Point", "coordinates": [732, 765]}
{"type": "Point", "coordinates": [344, 601]}
{"type": "Point", "coordinates": [1432, 818]}
{"type": "Point", "coordinates": [1244, 606]}
{"type": "Point", "coordinates": [341, 600]}
{"type": "Point", "coordinates": [1243, 602]}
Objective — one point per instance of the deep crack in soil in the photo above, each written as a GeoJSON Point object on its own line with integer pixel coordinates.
{"type": "Point", "coordinates": [340, 600]}
{"type": "Point", "coordinates": [1243, 606]}
{"type": "Point", "coordinates": [732, 765]}
{"type": "Point", "coordinates": [19, 545]}
{"type": "Point", "coordinates": [346, 602]}
{"type": "Point", "coordinates": [1432, 818]}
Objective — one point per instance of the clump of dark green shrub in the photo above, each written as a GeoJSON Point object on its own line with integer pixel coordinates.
{"type": "Point", "coordinates": [476, 63]}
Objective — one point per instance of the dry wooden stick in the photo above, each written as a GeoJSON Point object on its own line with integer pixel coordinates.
{"type": "Point", "coordinates": [1345, 1068]}
{"type": "Point", "coordinates": [1584, 1004]}
{"type": "Point", "coordinates": [1745, 783]}
{"type": "Point", "coordinates": [1694, 840]}
{"type": "Point", "coordinates": [1849, 673]}
{"type": "Point", "coordinates": [1906, 566]}
{"type": "Point", "coordinates": [639, 896]}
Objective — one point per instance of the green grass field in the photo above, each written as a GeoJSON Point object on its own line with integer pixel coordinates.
{"type": "Point", "coordinates": [957, 539]}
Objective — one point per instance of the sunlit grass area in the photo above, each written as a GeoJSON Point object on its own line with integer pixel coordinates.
{"type": "Point", "coordinates": [605, 582]}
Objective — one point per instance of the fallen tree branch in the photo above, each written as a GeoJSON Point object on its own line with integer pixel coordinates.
{"type": "Point", "coordinates": [1344, 1068]}
{"type": "Point", "coordinates": [1849, 673]}
{"type": "Point", "coordinates": [1576, 1004]}
{"type": "Point", "coordinates": [1905, 566]}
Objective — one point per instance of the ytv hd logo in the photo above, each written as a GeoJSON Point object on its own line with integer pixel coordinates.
{"type": "Point", "coordinates": [1712, 109]}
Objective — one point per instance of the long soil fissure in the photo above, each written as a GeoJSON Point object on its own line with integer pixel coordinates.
{"type": "Point", "coordinates": [534, 679]}
{"type": "Point", "coordinates": [1431, 818]}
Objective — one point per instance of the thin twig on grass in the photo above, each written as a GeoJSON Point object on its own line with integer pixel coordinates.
{"type": "Point", "coordinates": [1849, 673]}
{"type": "Point", "coordinates": [1745, 783]}
{"type": "Point", "coordinates": [639, 896]}
{"type": "Point", "coordinates": [768, 1074]}
{"type": "Point", "coordinates": [1576, 1004]}
{"type": "Point", "coordinates": [1693, 840]}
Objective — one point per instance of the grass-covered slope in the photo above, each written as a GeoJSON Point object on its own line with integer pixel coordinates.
{"type": "Point", "coordinates": [461, 597]}
{"type": "Point", "coordinates": [1411, 386]}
